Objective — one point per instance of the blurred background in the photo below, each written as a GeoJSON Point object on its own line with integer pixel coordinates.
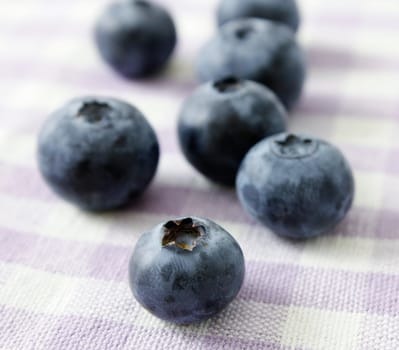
{"type": "Point", "coordinates": [48, 56]}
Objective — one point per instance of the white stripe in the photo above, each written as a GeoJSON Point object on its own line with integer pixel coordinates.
{"type": "Point", "coordinates": [373, 133]}
{"type": "Point", "coordinates": [41, 292]}
{"type": "Point", "coordinates": [160, 106]}
{"type": "Point", "coordinates": [354, 84]}
{"type": "Point", "coordinates": [369, 189]}
{"type": "Point", "coordinates": [63, 221]}
{"type": "Point", "coordinates": [321, 329]}
{"type": "Point", "coordinates": [343, 253]}
{"type": "Point", "coordinates": [17, 148]}
{"type": "Point", "coordinates": [36, 291]}
{"type": "Point", "coordinates": [335, 251]}
{"type": "Point", "coordinates": [188, 21]}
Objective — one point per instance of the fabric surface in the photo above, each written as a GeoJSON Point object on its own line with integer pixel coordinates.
{"type": "Point", "coordinates": [63, 272]}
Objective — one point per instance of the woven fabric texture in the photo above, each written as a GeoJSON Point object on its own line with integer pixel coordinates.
{"type": "Point", "coordinates": [63, 272]}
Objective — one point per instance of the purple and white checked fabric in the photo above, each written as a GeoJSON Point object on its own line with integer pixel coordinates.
{"type": "Point", "coordinates": [63, 272]}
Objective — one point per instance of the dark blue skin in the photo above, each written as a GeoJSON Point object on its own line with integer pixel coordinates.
{"type": "Point", "coordinates": [98, 152]}
{"type": "Point", "coordinates": [222, 120]}
{"type": "Point", "coordinates": [259, 50]}
{"type": "Point", "coordinates": [136, 38]}
{"type": "Point", "coordinates": [186, 270]}
{"type": "Point", "coordinates": [297, 186]}
{"type": "Point", "coordinates": [282, 11]}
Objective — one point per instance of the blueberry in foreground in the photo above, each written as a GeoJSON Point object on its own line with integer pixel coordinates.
{"type": "Point", "coordinates": [298, 186]}
{"type": "Point", "coordinates": [222, 120]}
{"type": "Point", "coordinates": [186, 270]}
{"type": "Point", "coordinates": [136, 38]}
{"type": "Point", "coordinates": [259, 50]}
{"type": "Point", "coordinates": [282, 11]}
{"type": "Point", "coordinates": [98, 152]}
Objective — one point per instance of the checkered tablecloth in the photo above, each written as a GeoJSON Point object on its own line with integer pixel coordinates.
{"type": "Point", "coordinates": [63, 272]}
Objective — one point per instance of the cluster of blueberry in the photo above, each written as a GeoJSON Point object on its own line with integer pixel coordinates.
{"type": "Point", "coordinates": [100, 153]}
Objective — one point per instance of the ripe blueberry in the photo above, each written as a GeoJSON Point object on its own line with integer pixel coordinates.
{"type": "Point", "coordinates": [222, 120]}
{"type": "Point", "coordinates": [283, 11]}
{"type": "Point", "coordinates": [97, 152]}
{"type": "Point", "coordinates": [296, 185]}
{"type": "Point", "coordinates": [186, 270]}
{"type": "Point", "coordinates": [135, 37]}
{"type": "Point", "coordinates": [259, 50]}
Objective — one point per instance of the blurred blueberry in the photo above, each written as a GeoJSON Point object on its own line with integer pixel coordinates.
{"type": "Point", "coordinates": [97, 152]}
{"type": "Point", "coordinates": [283, 11]}
{"type": "Point", "coordinates": [222, 120]}
{"type": "Point", "coordinates": [135, 37]}
{"type": "Point", "coordinates": [255, 49]}
{"type": "Point", "coordinates": [186, 270]}
{"type": "Point", "coordinates": [298, 186]}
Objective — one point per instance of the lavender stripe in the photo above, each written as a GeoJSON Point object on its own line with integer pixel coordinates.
{"type": "Point", "coordinates": [45, 28]}
{"type": "Point", "coordinates": [371, 293]}
{"type": "Point", "coordinates": [322, 106]}
{"type": "Point", "coordinates": [94, 79]}
{"type": "Point", "coordinates": [354, 20]}
{"type": "Point", "coordinates": [269, 283]}
{"type": "Point", "coordinates": [369, 223]}
{"type": "Point", "coordinates": [381, 294]}
{"type": "Point", "coordinates": [168, 138]}
{"type": "Point", "coordinates": [328, 57]}
{"type": "Point", "coordinates": [74, 332]}
{"type": "Point", "coordinates": [44, 25]}
{"type": "Point", "coordinates": [276, 284]}
{"type": "Point", "coordinates": [24, 330]}
{"type": "Point", "coordinates": [12, 178]}
{"type": "Point", "coordinates": [337, 103]}
{"type": "Point", "coordinates": [386, 224]}
{"type": "Point", "coordinates": [392, 162]}
{"type": "Point", "coordinates": [96, 334]}
{"type": "Point", "coordinates": [21, 329]}
{"type": "Point", "coordinates": [358, 155]}
{"type": "Point", "coordinates": [219, 204]}
{"type": "Point", "coordinates": [390, 195]}
{"type": "Point", "coordinates": [102, 77]}
{"type": "Point", "coordinates": [101, 261]}
{"type": "Point", "coordinates": [217, 342]}
{"type": "Point", "coordinates": [317, 56]}
{"type": "Point", "coordinates": [331, 290]}
{"type": "Point", "coordinates": [367, 158]}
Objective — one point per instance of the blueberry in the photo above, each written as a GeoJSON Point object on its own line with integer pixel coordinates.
{"type": "Point", "coordinates": [97, 152]}
{"type": "Point", "coordinates": [298, 186]}
{"type": "Point", "coordinates": [282, 11]}
{"type": "Point", "coordinates": [135, 37]}
{"type": "Point", "coordinates": [186, 270]}
{"type": "Point", "coordinates": [222, 120]}
{"type": "Point", "coordinates": [255, 49]}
